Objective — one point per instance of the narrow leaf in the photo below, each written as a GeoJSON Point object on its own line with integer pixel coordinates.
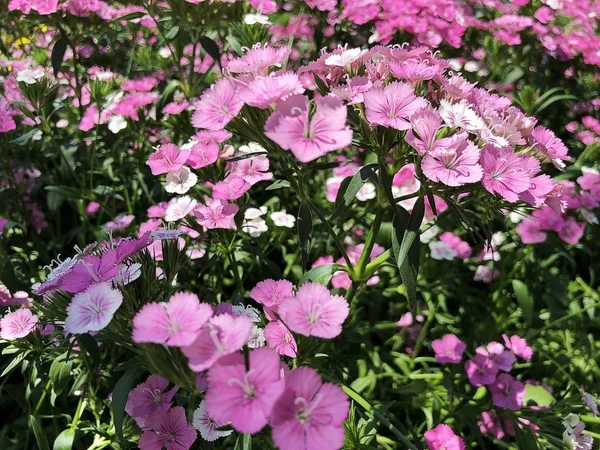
{"type": "Point", "coordinates": [64, 441]}
{"type": "Point", "coordinates": [350, 187]}
{"type": "Point", "coordinates": [304, 224]}
{"type": "Point", "coordinates": [243, 442]}
{"type": "Point", "coordinates": [89, 344]}
{"type": "Point", "coordinates": [524, 299]}
{"type": "Point", "coordinates": [119, 399]}
{"type": "Point", "coordinates": [58, 53]}
{"type": "Point", "coordinates": [277, 184]}
{"type": "Point", "coordinates": [40, 435]}
{"type": "Point", "coordinates": [212, 48]}
{"type": "Point", "coordinates": [60, 373]}
{"type": "Point", "coordinates": [321, 274]}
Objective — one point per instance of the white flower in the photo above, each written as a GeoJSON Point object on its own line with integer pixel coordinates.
{"type": "Point", "coordinates": [367, 192]}
{"type": "Point", "coordinates": [189, 144]}
{"type": "Point", "coordinates": [428, 235]}
{"type": "Point", "coordinates": [62, 123]}
{"type": "Point", "coordinates": [30, 76]}
{"type": "Point", "coordinates": [344, 59]}
{"type": "Point", "coordinates": [126, 274]}
{"type": "Point", "coordinates": [471, 66]}
{"type": "Point", "coordinates": [164, 52]}
{"type": "Point", "coordinates": [571, 421]}
{"type": "Point", "coordinates": [460, 115]}
{"type": "Point", "coordinates": [283, 219]}
{"type": "Point", "coordinates": [455, 64]}
{"type": "Point", "coordinates": [179, 208]}
{"type": "Point", "coordinates": [247, 311]}
{"type": "Point", "coordinates": [104, 75]}
{"type": "Point", "coordinates": [207, 426]}
{"type": "Point", "coordinates": [180, 181]}
{"type": "Point", "coordinates": [517, 216]}
{"type": "Point", "coordinates": [255, 213]}
{"type": "Point", "coordinates": [255, 227]}
{"type": "Point", "coordinates": [37, 135]}
{"type": "Point", "coordinates": [251, 19]}
{"type": "Point", "coordinates": [252, 147]}
{"type": "Point", "coordinates": [117, 123]}
{"type": "Point", "coordinates": [440, 250]}
{"type": "Point", "coordinates": [257, 337]}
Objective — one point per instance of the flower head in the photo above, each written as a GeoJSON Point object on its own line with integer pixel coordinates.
{"type": "Point", "coordinates": [507, 392]}
{"type": "Point", "coordinates": [279, 338]}
{"type": "Point", "coordinates": [503, 172]}
{"type": "Point", "coordinates": [217, 106]}
{"type": "Point", "coordinates": [207, 426]}
{"type": "Point", "coordinates": [149, 397]}
{"type": "Point", "coordinates": [392, 106]}
{"type": "Point", "coordinates": [456, 169]}
{"type": "Point", "coordinates": [449, 349]}
{"type": "Point", "coordinates": [271, 293]}
{"type": "Point", "coordinates": [443, 438]}
{"type": "Point", "coordinates": [518, 346]}
{"type": "Point", "coordinates": [168, 429]}
{"type": "Point", "coordinates": [481, 370]}
{"type": "Point", "coordinates": [17, 324]}
{"type": "Point", "coordinates": [167, 158]}
{"type": "Point", "coordinates": [93, 309]}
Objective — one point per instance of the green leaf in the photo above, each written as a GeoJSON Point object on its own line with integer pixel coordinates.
{"type": "Point", "coordinates": [40, 435]}
{"type": "Point", "coordinates": [243, 442]}
{"type": "Point", "coordinates": [64, 441]}
{"type": "Point", "coordinates": [304, 224]}
{"type": "Point", "coordinates": [524, 299]}
{"type": "Point", "coordinates": [350, 187]}
{"type": "Point", "coordinates": [212, 48]}
{"type": "Point", "coordinates": [58, 53]}
{"type": "Point", "coordinates": [538, 395]}
{"type": "Point", "coordinates": [514, 75]}
{"type": "Point", "coordinates": [119, 399]}
{"type": "Point", "coordinates": [169, 35]}
{"type": "Point", "coordinates": [277, 184]}
{"type": "Point", "coordinates": [60, 373]}
{"type": "Point", "coordinates": [406, 245]}
{"type": "Point", "coordinates": [321, 274]}
{"type": "Point", "coordinates": [89, 344]}
{"type": "Point", "coordinates": [14, 363]}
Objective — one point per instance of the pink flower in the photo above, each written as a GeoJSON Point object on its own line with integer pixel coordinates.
{"type": "Point", "coordinates": [503, 359]}
{"type": "Point", "coordinates": [313, 311]}
{"type": "Point", "coordinates": [549, 146]}
{"type": "Point", "coordinates": [309, 414]}
{"type": "Point", "coordinates": [530, 232]}
{"type": "Point", "coordinates": [91, 269]}
{"type": "Point", "coordinates": [309, 138]}
{"type": "Point", "coordinates": [179, 207]}
{"type": "Point", "coordinates": [481, 370]}
{"type": "Point", "coordinates": [222, 335]}
{"type": "Point", "coordinates": [175, 323]}
{"type": "Point", "coordinates": [216, 214]}
{"type": "Point", "coordinates": [231, 188]}
{"type": "Point", "coordinates": [258, 60]}
{"type": "Point", "coordinates": [449, 349]}
{"type": "Point", "coordinates": [503, 172]}
{"type": "Point", "coordinates": [571, 231]}
{"type": "Point", "coordinates": [92, 208]}
{"type": "Point", "coordinates": [244, 398]}
{"type": "Point", "coordinates": [518, 346]}
{"type": "Point", "coordinates": [462, 248]}
{"type": "Point", "coordinates": [17, 324]}
{"type": "Point", "coordinates": [93, 309]}
{"type": "Point", "coordinates": [167, 158]}
{"type": "Point", "coordinates": [490, 424]}
{"type": "Point", "coordinates": [168, 429]}
{"type": "Point", "coordinates": [217, 106]}
{"type": "Point", "coordinates": [406, 320]}
{"type": "Point", "coordinates": [149, 397]}
{"type": "Point", "coordinates": [422, 136]}
{"type": "Point", "coordinates": [392, 106]}
{"type": "Point", "coordinates": [251, 170]}
{"type": "Point", "coordinates": [271, 293]}
{"type": "Point", "coordinates": [202, 155]}
{"type": "Point", "coordinates": [443, 438]}
{"type": "Point", "coordinates": [507, 392]}
{"type": "Point", "coordinates": [457, 169]}
{"type": "Point", "coordinates": [120, 222]}
{"type": "Point", "coordinates": [263, 92]}
{"type": "Point", "coordinates": [279, 338]}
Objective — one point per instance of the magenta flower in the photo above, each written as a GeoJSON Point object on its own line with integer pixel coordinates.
{"type": "Point", "coordinates": [202, 155]}
{"type": "Point", "coordinates": [309, 138]}
{"type": "Point", "coordinates": [167, 158]}
{"type": "Point", "coordinates": [217, 106]}
{"type": "Point", "coordinates": [456, 169]}
{"type": "Point", "coordinates": [490, 424]}
{"type": "Point", "coordinates": [216, 214]}
{"type": "Point", "coordinates": [503, 359]}
{"type": "Point", "coordinates": [503, 172]}
{"type": "Point", "coordinates": [530, 232]}
{"type": "Point", "coordinates": [507, 392]}
{"type": "Point", "coordinates": [481, 370]}
{"type": "Point", "coordinates": [231, 188]}
{"type": "Point", "coordinates": [313, 311]}
{"type": "Point", "coordinates": [279, 338]}
{"type": "Point", "coordinates": [449, 349]}
{"type": "Point", "coordinates": [392, 106]}
{"type": "Point", "coordinates": [222, 335]}
{"type": "Point", "coordinates": [309, 414]}
{"type": "Point", "coordinates": [177, 322]}
{"type": "Point", "coordinates": [422, 136]}
{"type": "Point", "coordinates": [518, 346]}
{"type": "Point", "coordinates": [271, 293]}
{"type": "Point", "coordinates": [168, 429]}
{"type": "Point", "coordinates": [149, 397]}
{"type": "Point", "coordinates": [244, 398]}
{"type": "Point", "coordinates": [93, 309]}
{"type": "Point", "coordinates": [17, 324]}
{"type": "Point", "coordinates": [89, 270]}
{"type": "Point", "coordinates": [443, 438]}
{"type": "Point", "coordinates": [252, 170]}
{"type": "Point", "coordinates": [549, 146]}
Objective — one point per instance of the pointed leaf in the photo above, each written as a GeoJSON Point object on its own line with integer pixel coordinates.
{"type": "Point", "coordinates": [350, 187]}
{"type": "Point", "coordinates": [212, 48]}
{"type": "Point", "coordinates": [60, 373]}
{"type": "Point", "coordinates": [64, 441]}
{"type": "Point", "coordinates": [119, 399]}
{"type": "Point", "coordinates": [89, 344]}
{"type": "Point", "coordinates": [321, 274]}
{"type": "Point", "coordinates": [58, 53]}
{"type": "Point", "coordinates": [524, 299]}
{"type": "Point", "coordinates": [38, 431]}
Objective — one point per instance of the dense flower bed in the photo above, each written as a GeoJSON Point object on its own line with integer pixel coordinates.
{"type": "Point", "coordinates": [299, 225]}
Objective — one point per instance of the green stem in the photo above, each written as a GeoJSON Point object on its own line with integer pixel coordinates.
{"type": "Point", "coordinates": [561, 320]}
{"type": "Point", "coordinates": [359, 270]}
{"type": "Point", "coordinates": [78, 412]}
{"type": "Point", "coordinates": [372, 267]}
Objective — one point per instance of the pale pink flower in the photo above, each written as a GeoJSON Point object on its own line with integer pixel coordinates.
{"type": "Point", "coordinates": [222, 335]}
{"type": "Point", "coordinates": [263, 92]}
{"type": "Point", "coordinates": [167, 158]}
{"type": "Point", "coordinates": [549, 146]}
{"type": "Point", "coordinates": [168, 429]}
{"type": "Point", "coordinates": [17, 324]}
{"type": "Point", "coordinates": [217, 106]}
{"type": "Point", "coordinates": [180, 181]}
{"type": "Point", "coordinates": [259, 59]}
{"type": "Point", "coordinates": [120, 222]}
{"type": "Point", "coordinates": [231, 188]}
{"type": "Point", "coordinates": [503, 172]}
{"type": "Point", "coordinates": [175, 323]}
{"type": "Point", "coordinates": [179, 207]}
{"type": "Point", "coordinates": [406, 320]}
{"type": "Point", "coordinates": [309, 414]}
{"type": "Point", "coordinates": [279, 338]}
{"type": "Point", "coordinates": [462, 248]}
{"type": "Point", "coordinates": [449, 349]}
{"type": "Point", "coordinates": [244, 397]}
{"type": "Point", "coordinates": [216, 214]}
{"type": "Point", "coordinates": [457, 169]}
{"type": "Point", "coordinates": [313, 311]}
{"type": "Point", "coordinates": [207, 426]}
{"type": "Point", "coordinates": [422, 136]}
{"type": "Point", "coordinates": [251, 170]}
{"type": "Point", "coordinates": [392, 106]}
{"type": "Point", "coordinates": [518, 346]}
{"type": "Point", "coordinates": [309, 138]}
{"type": "Point", "coordinates": [149, 397]}
{"type": "Point", "coordinates": [460, 115]}
{"type": "Point", "coordinates": [93, 309]}
{"type": "Point", "coordinates": [443, 438]}
{"type": "Point", "coordinates": [271, 293]}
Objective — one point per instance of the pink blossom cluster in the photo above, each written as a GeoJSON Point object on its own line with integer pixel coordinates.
{"type": "Point", "coordinates": [588, 131]}
{"type": "Point", "coordinates": [579, 199]}
{"type": "Point", "coordinates": [23, 181]}
{"type": "Point", "coordinates": [79, 8]}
